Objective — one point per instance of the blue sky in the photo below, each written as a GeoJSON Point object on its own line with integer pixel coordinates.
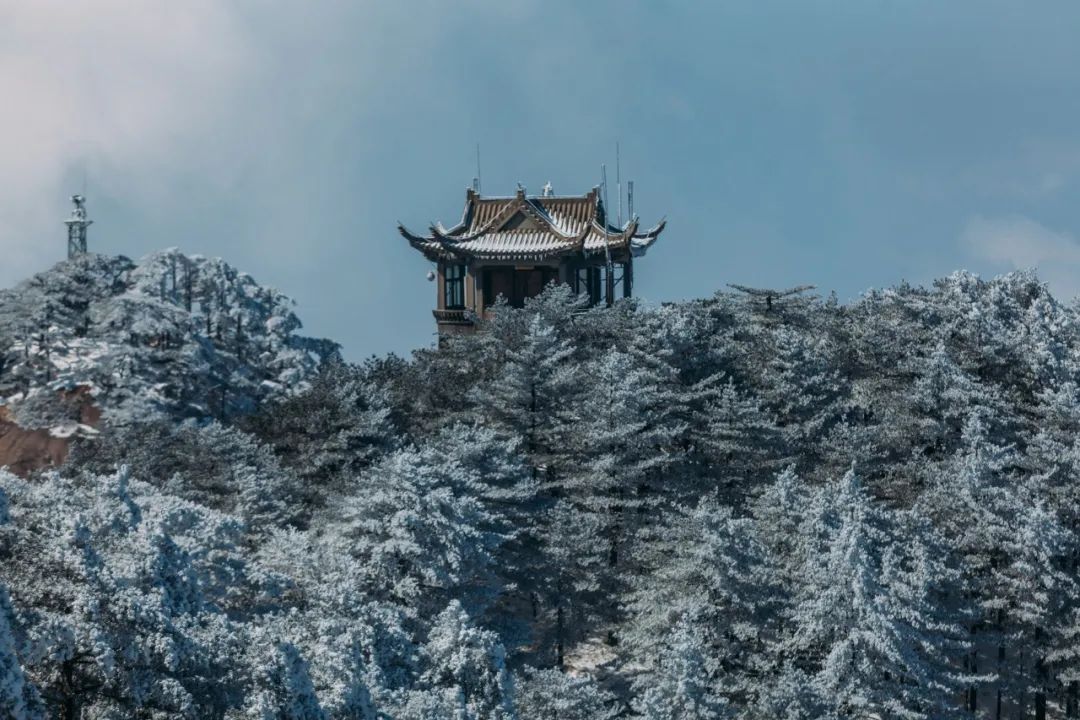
{"type": "Point", "coordinates": [845, 144]}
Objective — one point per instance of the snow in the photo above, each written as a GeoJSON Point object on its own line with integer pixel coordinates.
{"type": "Point", "coordinates": [122, 333]}
{"type": "Point", "coordinates": [702, 510]}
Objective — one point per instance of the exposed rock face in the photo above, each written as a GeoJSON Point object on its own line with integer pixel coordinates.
{"type": "Point", "coordinates": [23, 450]}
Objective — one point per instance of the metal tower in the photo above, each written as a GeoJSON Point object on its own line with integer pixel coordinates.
{"type": "Point", "coordinates": [77, 224]}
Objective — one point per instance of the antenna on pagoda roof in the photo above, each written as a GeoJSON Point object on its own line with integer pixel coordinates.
{"type": "Point", "coordinates": [77, 224]}
{"type": "Point", "coordinates": [609, 280]}
{"type": "Point", "coordinates": [476, 180]}
{"type": "Point", "coordinates": [618, 182]}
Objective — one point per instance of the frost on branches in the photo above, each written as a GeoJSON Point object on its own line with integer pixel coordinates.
{"type": "Point", "coordinates": [702, 510]}
{"type": "Point", "coordinates": [184, 336]}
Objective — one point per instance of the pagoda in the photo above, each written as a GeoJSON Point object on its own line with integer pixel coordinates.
{"type": "Point", "coordinates": [512, 247]}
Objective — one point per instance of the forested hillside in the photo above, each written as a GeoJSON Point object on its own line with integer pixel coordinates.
{"type": "Point", "coordinates": [712, 509]}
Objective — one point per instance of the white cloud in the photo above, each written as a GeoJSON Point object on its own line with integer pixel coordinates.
{"type": "Point", "coordinates": [260, 132]}
{"type": "Point", "coordinates": [157, 101]}
{"type": "Point", "coordinates": [1016, 242]}
{"type": "Point", "coordinates": [131, 91]}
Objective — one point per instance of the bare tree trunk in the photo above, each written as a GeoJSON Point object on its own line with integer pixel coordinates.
{"type": "Point", "coordinates": [973, 689]}
{"type": "Point", "coordinates": [1001, 675]}
{"type": "Point", "coordinates": [560, 647]}
{"type": "Point", "coordinates": [70, 708]}
{"type": "Point", "coordinates": [1041, 680]}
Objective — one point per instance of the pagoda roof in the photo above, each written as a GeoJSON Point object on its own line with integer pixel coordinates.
{"type": "Point", "coordinates": [525, 227]}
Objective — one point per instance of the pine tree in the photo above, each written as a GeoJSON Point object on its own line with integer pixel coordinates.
{"type": "Point", "coordinates": [974, 505]}
{"type": "Point", "coordinates": [860, 615]}
{"type": "Point", "coordinates": [780, 513]}
{"type": "Point", "coordinates": [1039, 602]}
{"type": "Point", "coordinates": [337, 427]}
{"type": "Point", "coordinates": [681, 685]}
{"type": "Point", "coordinates": [804, 391]}
{"type": "Point", "coordinates": [707, 571]}
{"type": "Point", "coordinates": [420, 538]}
{"type": "Point", "coordinates": [548, 693]}
{"type": "Point", "coordinates": [19, 699]}
{"type": "Point", "coordinates": [532, 397]}
{"type": "Point", "coordinates": [283, 689]}
{"type": "Point", "coordinates": [470, 663]}
{"type": "Point", "coordinates": [741, 444]}
{"type": "Point", "coordinates": [624, 444]}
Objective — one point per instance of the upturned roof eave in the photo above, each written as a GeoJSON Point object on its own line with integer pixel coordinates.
{"type": "Point", "coordinates": [444, 244]}
{"type": "Point", "coordinates": [640, 243]}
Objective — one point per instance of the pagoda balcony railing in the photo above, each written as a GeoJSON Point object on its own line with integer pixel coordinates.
{"type": "Point", "coordinates": [458, 316]}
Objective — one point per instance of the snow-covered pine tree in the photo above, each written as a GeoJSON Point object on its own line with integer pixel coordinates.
{"type": "Point", "coordinates": [707, 571]}
{"type": "Point", "coordinates": [565, 611]}
{"type": "Point", "coordinates": [215, 465]}
{"type": "Point", "coordinates": [134, 337]}
{"type": "Point", "coordinates": [1052, 465]}
{"type": "Point", "coordinates": [864, 617]}
{"type": "Point", "coordinates": [623, 442]}
{"type": "Point", "coordinates": [974, 505]}
{"type": "Point", "coordinates": [802, 388]}
{"type": "Point", "coordinates": [547, 693]}
{"type": "Point", "coordinates": [533, 397]}
{"type": "Point", "coordinates": [739, 442]}
{"type": "Point", "coordinates": [469, 664]}
{"type": "Point", "coordinates": [493, 472]}
{"type": "Point", "coordinates": [334, 429]}
{"type": "Point", "coordinates": [780, 513]}
{"type": "Point", "coordinates": [682, 682]}
{"type": "Point", "coordinates": [19, 699]}
{"type": "Point", "coordinates": [420, 537]}
{"type": "Point", "coordinates": [126, 591]}
{"type": "Point", "coordinates": [282, 688]}
{"type": "Point", "coordinates": [1038, 604]}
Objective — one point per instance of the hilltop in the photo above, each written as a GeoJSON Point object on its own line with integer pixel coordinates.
{"type": "Point", "coordinates": [104, 339]}
{"type": "Point", "coordinates": [725, 508]}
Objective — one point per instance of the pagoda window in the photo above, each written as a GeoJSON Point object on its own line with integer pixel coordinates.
{"type": "Point", "coordinates": [454, 287]}
{"type": "Point", "coordinates": [516, 284]}
{"type": "Point", "coordinates": [498, 281]}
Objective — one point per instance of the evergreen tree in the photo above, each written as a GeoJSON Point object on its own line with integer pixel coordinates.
{"type": "Point", "coordinates": [804, 391]}
{"type": "Point", "coordinates": [681, 685]}
{"type": "Point", "coordinates": [974, 505]}
{"type": "Point", "coordinates": [19, 699]}
{"type": "Point", "coordinates": [571, 585]}
{"type": "Point", "coordinates": [419, 536]}
{"type": "Point", "coordinates": [469, 664]}
{"type": "Point", "coordinates": [532, 397]}
{"type": "Point", "coordinates": [336, 428]}
{"type": "Point", "coordinates": [624, 444]}
{"type": "Point", "coordinates": [709, 573]}
{"type": "Point", "coordinates": [283, 689]}
{"type": "Point", "coordinates": [739, 441]}
{"type": "Point", "coordinates": [864, 615]}
{"type": "Point", "coordinates": [548, 693]}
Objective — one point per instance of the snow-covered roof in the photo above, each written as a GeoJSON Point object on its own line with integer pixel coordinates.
{"type": "Point", "coordinates": [530, 228]}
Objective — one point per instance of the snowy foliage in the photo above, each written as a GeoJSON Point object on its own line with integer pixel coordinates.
{"type": "Point", "coordinates": [173, 335]}
{"type": "Point", "coordinates": [709, 509]}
